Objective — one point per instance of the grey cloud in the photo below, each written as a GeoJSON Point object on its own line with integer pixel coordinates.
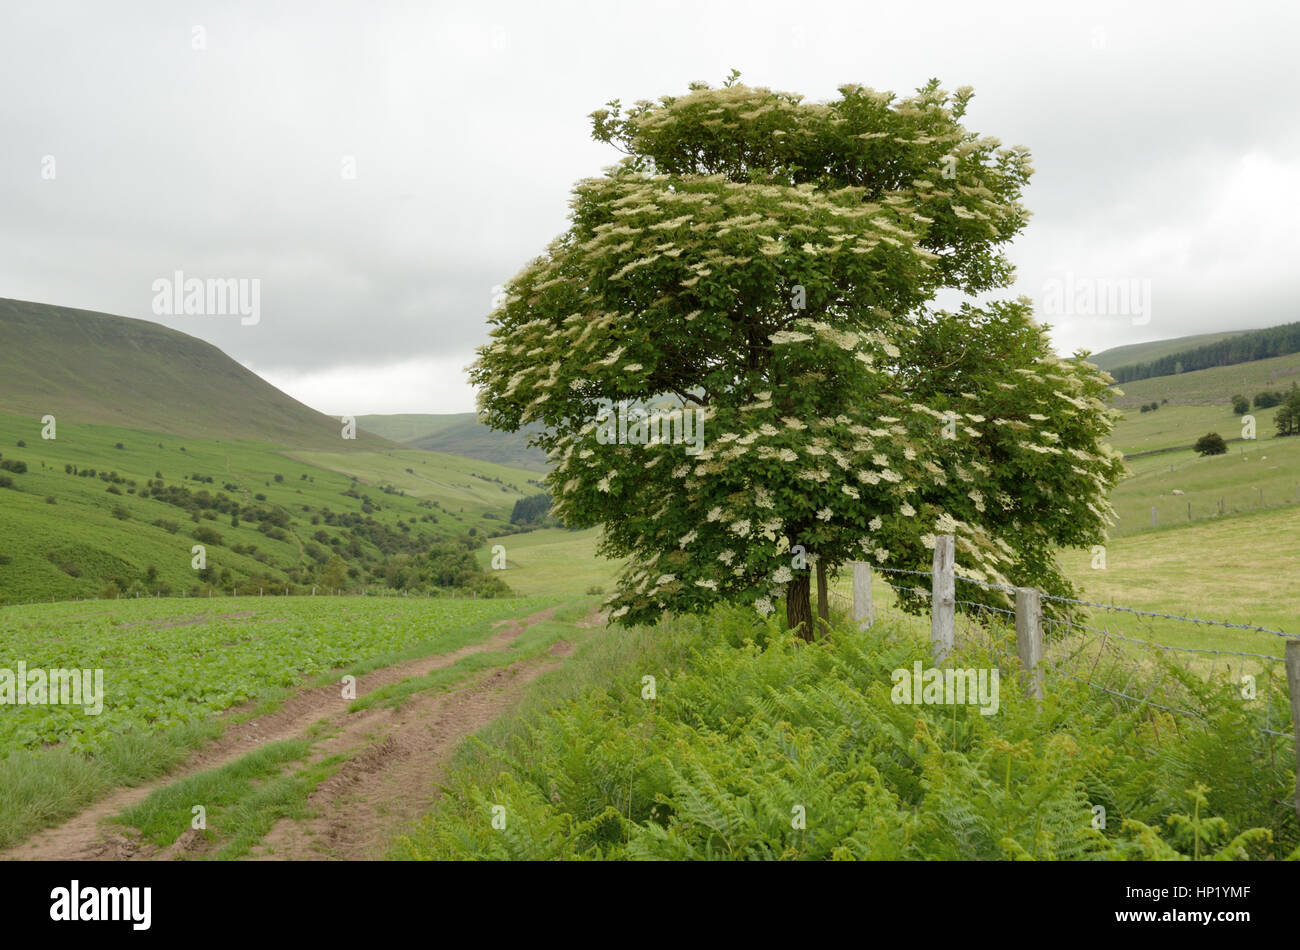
{"type": "Point", "coordinates": [468, 127]}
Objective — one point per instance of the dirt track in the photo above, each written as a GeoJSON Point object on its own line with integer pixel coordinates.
{"type": "Point", "coordinates": [396, 757]}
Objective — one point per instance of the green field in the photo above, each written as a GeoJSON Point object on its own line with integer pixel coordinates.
{"type": "Point", "coordinates": [554, 561]}
{"type": "Point", "coordinates": [170, 668]}
{"type": "Point", "coordinates": [1250, 476]}
{"type": "Point", "coordinates": [169, 662]}
{"type": "Point", "coordinates": [1179, 426]}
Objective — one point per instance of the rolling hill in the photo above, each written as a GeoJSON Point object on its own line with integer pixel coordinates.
{"type": "Point", "coordinates": [87, 367]}
{"type": "Point", "coordinates": [1215, 386]}
{"type": "Point", "coordinates": [163, 442]}
{"type": "Point", "coordinates": [1155, 349]}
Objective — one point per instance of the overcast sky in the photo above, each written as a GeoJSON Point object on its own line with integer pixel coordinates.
{"type": "Point", "coordinates": [141, 139]}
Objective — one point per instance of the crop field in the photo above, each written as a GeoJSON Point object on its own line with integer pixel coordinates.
{"type": "Point", "coordinates": [169, 662]}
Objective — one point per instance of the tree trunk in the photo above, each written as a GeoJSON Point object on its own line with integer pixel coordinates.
{"type": "Point", "coordinates": [823, 602]}
{"type": "Point", "coordinates": [798, 607]}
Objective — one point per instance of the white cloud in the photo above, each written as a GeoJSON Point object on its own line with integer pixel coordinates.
{"type": "Point", "coordinates": [421, 384]}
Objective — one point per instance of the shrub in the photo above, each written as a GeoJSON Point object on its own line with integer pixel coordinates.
{"type": "Point", "coordinates": [121, 513]}
{"type": "Point", "coordinates": [1240, 405]}
{"type": "Point", "coordinates": [13, 465]}
{"type": "Point", "coordinates": [51, 500]}
{"type": "Point", "coordinates": [206, 535]}
{"type": "Point", "coordinates": [1211, 444]}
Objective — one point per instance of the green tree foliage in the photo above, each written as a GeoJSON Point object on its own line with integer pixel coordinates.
{"type": "Point", "coordinates": [1211, 444]}
{"type": "Point", "coordinates": [1268, 399]}
{"type": "Point", "coordinates": [334, 575]}
{"type": "Point", "coordinates": [531, 510]}
{"type": "Point", "coordinates": [1287, 418]}
{"type": "Point", "coordinates": [767, 264]}
{"type": "Point", "coordinates": [453, 565]}
{"type": "Point", "coordinates": [1240, 405]}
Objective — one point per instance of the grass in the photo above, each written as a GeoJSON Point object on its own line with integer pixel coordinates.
{"type": "Point", "coordinates": [1231, 569]}
{"type": "Point", "coordinates": [40, 789]}
{"type": "Point", "coordinates": [1252, 475]}
{"type": "Point", "coordinates": [554, 560]}
{"type": "Point", "coordinates": [1179, 426]}
{"type": "Point", "coordinates": [168, 812]}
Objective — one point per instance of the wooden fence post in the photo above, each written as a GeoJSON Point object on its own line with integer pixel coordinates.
{"type": "Point", "coordinates": [1293, 687]}
{"type": "Point", "coordinates": [1029, 637]}
{"type": "Point", "coordinates": [943, 598]}
{"type": "Point", "coordinates": [863, 611]}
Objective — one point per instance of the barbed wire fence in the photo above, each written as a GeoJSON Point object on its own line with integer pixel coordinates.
{"type": "Point", "coordinates": [1105, 654]}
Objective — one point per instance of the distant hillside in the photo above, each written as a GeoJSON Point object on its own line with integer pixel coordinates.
{"type": "Point", "coordinates": [1134, 353]}
{"type": "Point", "coordinates": [1240, 348]}
{"type": "Point", "coordinates": [1214, 386]}
{"type": "Point", "coordinates": [404, 427]}
{"type": "Point", "coordinates": [460, 434]}
{"type": "Point", "coordinates": [95, 368]}
{"type": "Point", "coordinates": [104, 505]}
